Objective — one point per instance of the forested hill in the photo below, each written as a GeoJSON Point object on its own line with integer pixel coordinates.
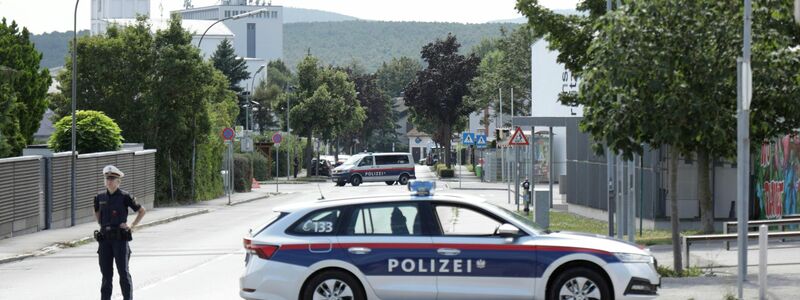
{"type": "Point", "coordinates": [339, 43]}
{"type": "Point", "coordinates": [371, 43]}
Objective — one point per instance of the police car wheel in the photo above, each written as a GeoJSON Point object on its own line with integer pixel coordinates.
{"type": "Point", "coordinates": [579, 284]}
{"type": "Point", "coordinates": [403, 179]}
{"type": "Point", "coordinates": [335, 285]}
{"type": "Point", "coordinates": [356, 180]}
{"type": "Point", "coordinates": [390, 182]}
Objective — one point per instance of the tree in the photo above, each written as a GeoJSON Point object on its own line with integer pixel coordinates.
{"type": "Point", "coordinates": [163, 94]}
{"type": "Point", "coordinates": [270, 94]}
{"type": "Point", "coordinates": [324, 104]}
{"type": "Point", "coordinates": [25, 92]}
{"type": "Point", "coordinates": [7, 102]}
{"type": "Point", "coordinates": [379, 125]}
{"type": "Point", "coordinates": [225, 60]}
{"type": "Point", "coordinates": [436, 95]}
{"type": "Point", "coordinates": [96, 132]}
{"type": "Point", "coordinates": [394, 76]}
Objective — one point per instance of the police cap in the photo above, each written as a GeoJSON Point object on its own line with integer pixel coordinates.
{"type": "Point", "coordinates": [111, 170]}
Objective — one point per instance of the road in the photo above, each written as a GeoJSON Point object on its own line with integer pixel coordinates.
{"type": "Point", "coordinates": [195, 258]}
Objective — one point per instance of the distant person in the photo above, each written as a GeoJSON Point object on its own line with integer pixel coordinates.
{"type": "Point", "coordinates": [111, 212]}
{"type": "Point", "coordinates": [296, 164]}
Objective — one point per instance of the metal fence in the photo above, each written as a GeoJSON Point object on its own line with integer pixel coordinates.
{"type": "Point", "coordinates": [35, 194]}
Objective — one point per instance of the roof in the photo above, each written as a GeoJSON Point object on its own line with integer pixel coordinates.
{"type": "Point", "coordinates": [196, 27]}
{"type": "Point", "coordinates": [415, 132]}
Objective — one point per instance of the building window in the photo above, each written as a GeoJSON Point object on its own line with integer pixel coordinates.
{"type": "Point", "coordinates": [251, 39]}
{"type": "Point", "coordinates": [274, 14]}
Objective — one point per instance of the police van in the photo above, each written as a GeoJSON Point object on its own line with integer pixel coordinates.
{"type": "Point", "coordinates": [426, 246]}
{"type": "Point", "coordinates": [375, 167]}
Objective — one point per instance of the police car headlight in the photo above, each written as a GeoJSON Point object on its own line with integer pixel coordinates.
{"type": "Point", "coordinates": [634, 258]}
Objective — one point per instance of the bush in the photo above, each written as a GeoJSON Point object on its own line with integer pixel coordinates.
{"type": "Point", "coordinates": [260, 167]}
{"type": "Point", "coordinates": [446, 173]}
{"type": "Point", "coordinates": [96, 133]}
{"type": "Point", "coordinates": [242, 176]}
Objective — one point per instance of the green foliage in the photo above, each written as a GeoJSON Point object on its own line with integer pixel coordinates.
{"type": "Point", "coordinates": [373, 43]}
{"type": "Point", "coordinates": [95, 132]}
{"type": "Point", "coordinates": [272, 95]}
{"type": "Point", "coordinates": [394, 76]}
{"type": "Point", "coordinates": [260, 166]}
{"type": "Point", "coordinates": [436, 96]}
{"type": "Point", "coordinates": [242, 173]}
{"type": "Point", "coordinates": [665, 271]}
{"type": "Point", "coordinates": [24, 92]}
{"type": "Point", "coordinates": [324, 104]}
{"type": "Point", "coordinates": [378, 130]}
{"type": "Point", "coordinates": [224, 59]}
{"type": "Point", "coordinates": [161, 93]}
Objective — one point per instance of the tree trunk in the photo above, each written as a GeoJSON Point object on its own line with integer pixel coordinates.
{"type": "Point", "coordinates": [336, 153]}
{"type": "Point", "coordinates": [307, 154]}
{"type": "Point", "coordinates": [704, 192]}
{"type": "Point", "coordinates": [446, 144]}
{"type": "Point", "coordinates": [673, 210]}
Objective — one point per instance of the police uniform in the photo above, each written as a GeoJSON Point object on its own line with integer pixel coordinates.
{"type": "Point", "coordinates": [113, 240]}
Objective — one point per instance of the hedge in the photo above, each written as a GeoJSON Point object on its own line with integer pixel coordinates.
{"type": "Point", "coordinates": [242, 176]}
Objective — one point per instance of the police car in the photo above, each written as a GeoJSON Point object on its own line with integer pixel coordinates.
{"type": "Point", "coordinates": [425, 246]}
{"type": "Point", "coordinates": [375, 167]}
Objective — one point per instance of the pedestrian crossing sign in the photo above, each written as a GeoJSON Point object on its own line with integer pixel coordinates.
{"type": "Point", "coordinates": [468, 138]}
{"type": "Point", "coordinates": [480, 140]}
{"type": "Point", "coordinates": [518, 138]}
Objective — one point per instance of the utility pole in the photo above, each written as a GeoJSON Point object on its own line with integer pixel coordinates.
{"type": "Point", "coordinates": [744, 80]}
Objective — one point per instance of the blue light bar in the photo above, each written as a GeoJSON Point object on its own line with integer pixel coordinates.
{"type": "Point", "coordinates": [421, 187]}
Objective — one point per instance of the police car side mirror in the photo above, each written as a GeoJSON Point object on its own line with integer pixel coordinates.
{"type": "Point", "coordinates": [507, 230]}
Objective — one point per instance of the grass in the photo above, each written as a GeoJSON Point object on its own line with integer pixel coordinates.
{"type": "Point", "coordinates": [665, 271]}
{"type": "Point", "coordinates": [564, 221]}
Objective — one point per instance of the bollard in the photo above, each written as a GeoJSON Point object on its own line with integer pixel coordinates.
{"type": "Point", "coordinates": [762, 262]}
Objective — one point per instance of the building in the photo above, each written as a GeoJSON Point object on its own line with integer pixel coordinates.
{"type": "Point", "coordinates": [257, 38]}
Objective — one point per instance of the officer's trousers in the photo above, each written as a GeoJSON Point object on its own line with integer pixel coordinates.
{"type": "Point", "coordinates": [111, 251]}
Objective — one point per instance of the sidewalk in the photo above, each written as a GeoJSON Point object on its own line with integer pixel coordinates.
{"type": "Point", "coordinates": [49, 241]}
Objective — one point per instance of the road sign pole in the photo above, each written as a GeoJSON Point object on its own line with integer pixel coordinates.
{"type": "Point", "coordinates": [458, 159]}
{"type": "Point", "coordinates": [277, 166]}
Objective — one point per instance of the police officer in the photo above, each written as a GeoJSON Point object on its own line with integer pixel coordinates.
{"type": "Point", "coordinates": [111, 211]}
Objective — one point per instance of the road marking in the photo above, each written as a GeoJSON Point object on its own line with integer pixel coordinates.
{"type": "Point", "coordinates": [187, 271]}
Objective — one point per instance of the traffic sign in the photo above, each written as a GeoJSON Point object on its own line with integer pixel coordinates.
{"type": "Point", "coordinates": [239, 131]}
{"type": "Point", "coordinates": [468, 138]}
{"type": "Point", "coordinates": [277, 138]}
{"type": "Point", "coordinates": [480, 140]}
{"type": "Point", "coordinates": [228, 134]}
{"type": "Point", "coordinates": [518, 138]}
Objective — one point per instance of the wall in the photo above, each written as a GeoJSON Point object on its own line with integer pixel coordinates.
{"type": "Point", "coordinates": [36, 194]}
{"type": "Point", "coordinates": [776, 178]}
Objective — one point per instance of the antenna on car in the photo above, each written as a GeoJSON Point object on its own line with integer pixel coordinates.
{"type": "Point", "coordinates": [321, 197]}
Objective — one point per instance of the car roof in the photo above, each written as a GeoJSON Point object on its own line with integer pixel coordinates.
{"type": "Point", "coordinates": [397, 197]}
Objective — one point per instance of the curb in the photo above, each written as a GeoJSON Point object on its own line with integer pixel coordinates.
{"type": "Point", "coordinates": [60, 245]}
{"type": "Point", "coordinates": [257, 198]}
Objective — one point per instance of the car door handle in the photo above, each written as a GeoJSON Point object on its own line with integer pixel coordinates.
{"type": "Point", "coordinates": [448, 251]}
{"type": "Point", "coordinates": [359, 250]}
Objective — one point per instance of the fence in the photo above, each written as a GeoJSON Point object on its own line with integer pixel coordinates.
{"type": "Point", "coordinates": [35, 193]}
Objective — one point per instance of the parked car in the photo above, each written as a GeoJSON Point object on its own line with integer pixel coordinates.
{"type": "Point", "coordinates": [323, 165]}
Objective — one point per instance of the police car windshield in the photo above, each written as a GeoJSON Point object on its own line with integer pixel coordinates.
{"type": "Point", "coordinates": [528, 222]}
{"type": "Point", "coordinates": [353, 160]}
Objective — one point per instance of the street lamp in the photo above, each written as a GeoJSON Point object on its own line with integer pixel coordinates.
{"type": "Point", "coordinates": [236, 17]}
{"type": "Point", "coordinates": [73, 196]}
{"type": "Point", "coordinates": [248, 123]}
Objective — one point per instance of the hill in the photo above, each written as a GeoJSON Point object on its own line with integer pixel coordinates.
{"type": "Point", "coordinates": [374, 42]}
{"type": "Point", "coordinates": [299, 15]}
{"type": "Point", "coordinates": [53, 46]}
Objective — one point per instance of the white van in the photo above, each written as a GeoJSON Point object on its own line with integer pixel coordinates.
{"type": "Point", "coordinates": [374, 167]}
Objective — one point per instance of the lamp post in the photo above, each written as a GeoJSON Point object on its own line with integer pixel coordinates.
{"type": "Point", "coordinates": [288, 131]}
{"type": "Point", "coordinates": [249, 116]}
{"type": "Point", "coordinates": [73, 196]}
{"type": "Point", "coordinates": [236, 17]}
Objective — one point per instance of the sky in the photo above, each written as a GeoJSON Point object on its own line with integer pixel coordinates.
{"type": "Point", "coordinates": [56, 15]}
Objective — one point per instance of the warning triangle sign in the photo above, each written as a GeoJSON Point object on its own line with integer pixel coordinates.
{"type": "Point", "coordinates": [481, 140]}
{"type": "Point", "coordinates": [518, 138]}
{"type": "Point", "coordinates": [468, 139]}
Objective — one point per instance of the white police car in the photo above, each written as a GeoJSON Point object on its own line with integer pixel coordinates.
{"type": "Point", "coordinates": [389, 167]}
{"type": "Point", "coordinates": [423, 246]}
